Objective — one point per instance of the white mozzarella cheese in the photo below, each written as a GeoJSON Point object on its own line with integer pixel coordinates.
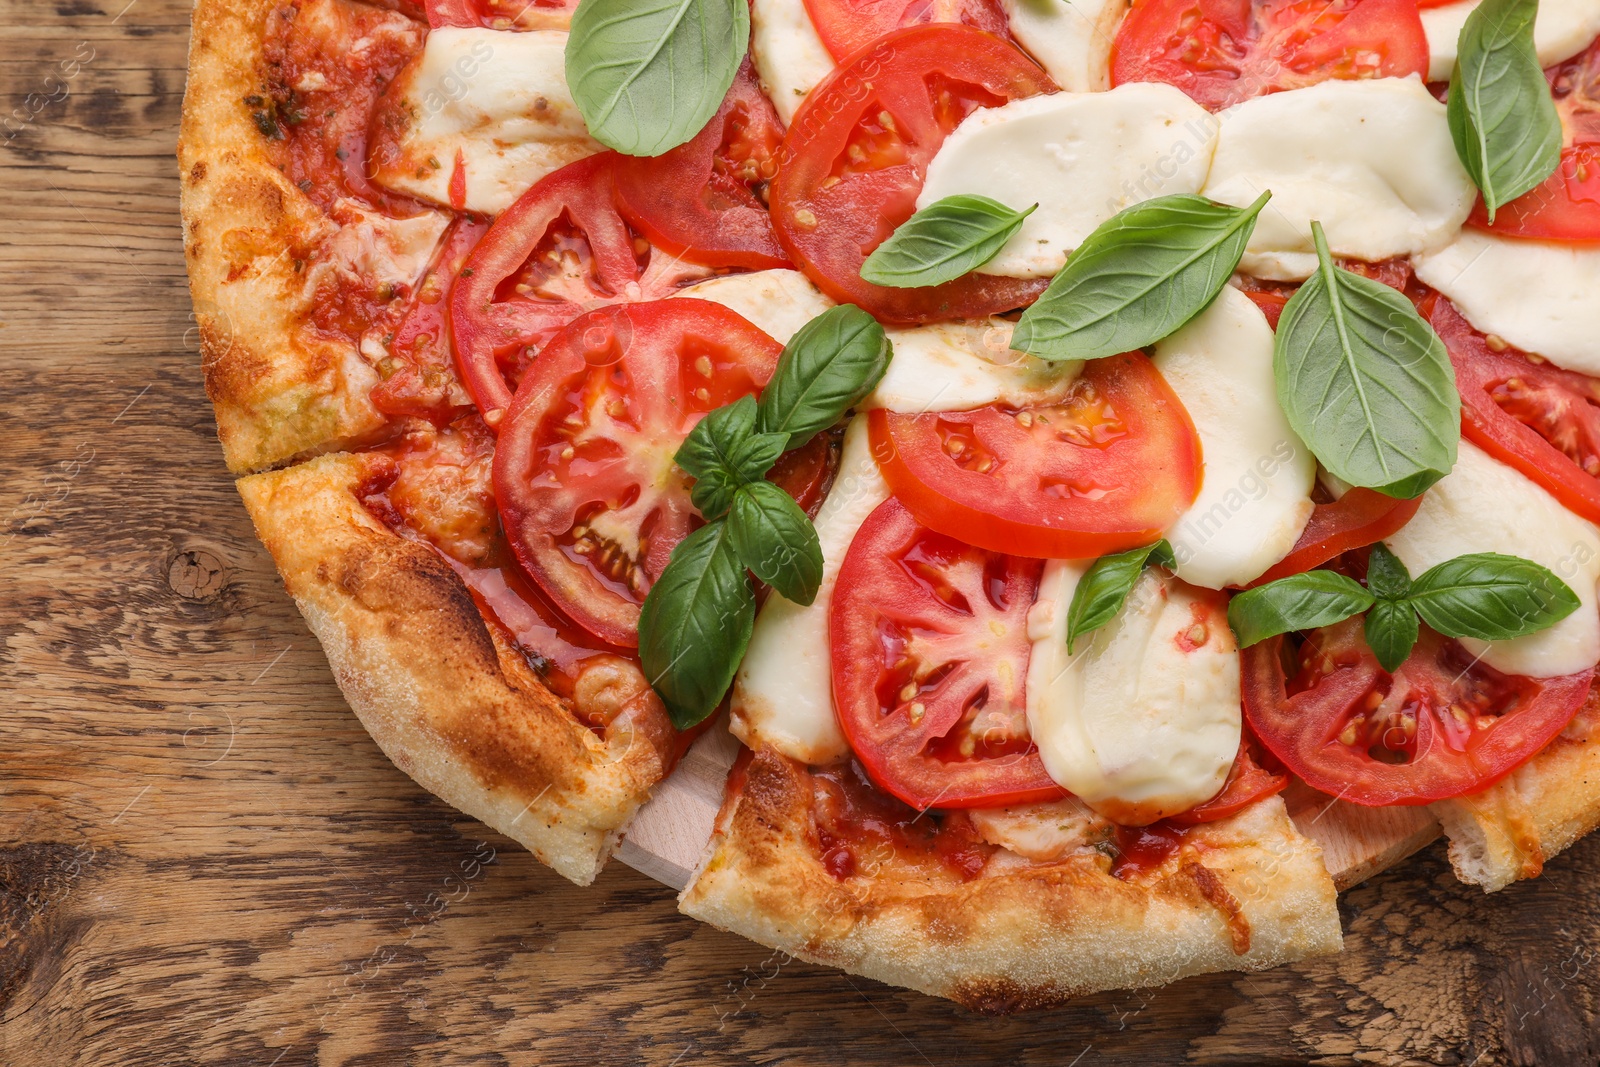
{"type": "Point", "coordinates": [1082, 157]}
{"type": "Point", "coordinates": [783, 693]}
{"type": "Point", "coordinates": [1485, 506]}
{"type": "Point", "coordinates": [497, 97]}
{"type": "Point", "coordinates": [790, 58]}
{"type": "Point", "coordinates": [385, 250]}
{"type": "Point", "coordinates": [1071, 39]}
{"type": "Point", "coordinates": [1255, 497]}
{"type": "Point", "coordinates": [1041, 832]}
{"type": "Point", "coordinates": [1144, 720]}
{"type": "Point", "coordinates": [1371, 160]}
{"type": "Point", "coordinates": [958, 366]}
{"type": "Point", "coordinates": [1562, 30]}
{"type": "Point", "coordinates": [778, 301]}
{"type": "Point", "coordinates": [1539, 296]}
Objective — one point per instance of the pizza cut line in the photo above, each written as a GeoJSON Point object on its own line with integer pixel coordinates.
{"type": "Point", "coordinates": [1048, 434]}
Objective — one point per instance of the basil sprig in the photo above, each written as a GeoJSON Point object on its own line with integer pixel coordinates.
{"type": "Point", "coordinates": [1138, 277]}
{"type": "Point", "coordinates": [1105, 586]}
{"type": "Point", "coordinates": [943, 241]}
{"type": "Point", "coordinates": [647, 75]}
{"type": "Point", "coordinates": [1502, 119]}
{"type": "Point", "coordinates": [1365, 382]}
{"type": "Point", "coordinates": [697, 618]}
{"type": "Point", "coordinates": [1485, 595]}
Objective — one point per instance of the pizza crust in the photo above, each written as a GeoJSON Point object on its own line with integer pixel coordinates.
{"type": "Point", "coordinates": [446, 696]}
{"type": "Point", "coordinates": [1246, 893]}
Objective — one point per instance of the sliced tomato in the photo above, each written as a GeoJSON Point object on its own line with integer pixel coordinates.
{"type": "Point", "coordinates": [929, 643]}
{"type": "Point", "coordinates": [1357, 519]}
{"type": "Point", "coordinates": [501, 14]}
{"type": "Point", "coordinates": [846, 25]}
{"type": "Point", "coordinates": [856, 155]}
{"type": "Point", "coordinates": [1247, 783]}
{"type": "Point", "coordinates": [1443, 725]}
{"type": "Point", "coordinates": [1540, 419]}
{"type": "Point", "coordinates": [1566, 205]}
{"type": "Point", "coordinates": [590, 498]}
{"type": "Point", "coordinates": [702, 200]}
{"type": "Point", "coordinates": [1221, 52]}
{"type": "Point", "coordinates": [1108, 468]}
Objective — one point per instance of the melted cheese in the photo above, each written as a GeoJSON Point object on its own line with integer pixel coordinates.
{"type": "Point", "coordinates": [1071, 39]}
{"type": "Point", "coordinates": [779, 301]}
{"type": "Point", "coordinates": [1563, 29]}
{"type": "Point", "coordinates": [783, 693]}
{"type": "Point", "coordinates": [1485, 506]}
{"type": "Point", "coordinates": [500, 100]}
{"type": "Point", "coordinates": [1041, 832]}
{"type": "Point", "coordinates": [1144, 721]}
{"type": "Point", "coordinates": [1256, 494]}
{"type": "Point", "coordinates": [790, 58]}
{"type": "Point", "coordinates": [1082, 157]}
{"type": "Point", "coordinates": [1371, 160]}
{"type": "Point", "coordinates": [958, 366]}
{"type": "Point", "coordinates": [384, 250]}
{"type": "Point", "coordinates": [1540, 296]}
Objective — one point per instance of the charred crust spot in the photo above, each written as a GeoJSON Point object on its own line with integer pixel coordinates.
{"type": "Point", "coordinates": [1002, 996]}
{"type": "Point", "coordinates": [197, 173]}
{"type": "Point", "coordinates": [1216, 894]}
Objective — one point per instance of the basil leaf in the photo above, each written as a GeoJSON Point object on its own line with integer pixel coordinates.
{"type": "Point", "coordinates": [1105, 586]}
{"type": "Point", "coordinates": [647, 75]}
{"type": "Point", "coordinates": [1387, 577]}
{"type": "Point", "coordinates": [827, 367]}
{"type": "Point", "coordinates": [1491, 597]}
{"type": "Point", "coordinates": [1298, 602]}
{"type": "Point", "coordinates": [776, 541]}
{"type": "Point", "coordinates": [1391, 631]}
{"type": "Point", "coordinates": [1138, 277]}
{"type": "Point", "coordinates": [696, 623]}
{"type": "Point", "coordinates": [1502, 118]}
{"type": "Point", "coordinates": [723, 451]}
{"type": "Point", "coordinates": [943, 241]}
{"type": "Point", "coordinates": [1365, 382]}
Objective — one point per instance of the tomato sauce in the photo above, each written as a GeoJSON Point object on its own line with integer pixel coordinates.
{"type": "Point", "coordinates": [1142, 849]}
{"type": "Point", "coordinates": [860, 828]}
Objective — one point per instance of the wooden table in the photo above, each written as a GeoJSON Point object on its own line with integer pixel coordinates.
{"type": "Point", "coordinates": [205, 860]}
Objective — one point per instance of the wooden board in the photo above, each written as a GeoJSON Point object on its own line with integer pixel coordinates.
{"type": "Point", "coordinates": [205, 861]}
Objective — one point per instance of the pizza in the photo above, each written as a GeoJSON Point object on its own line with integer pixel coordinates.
{"type": "Point", "coordinates": [1046, 433]}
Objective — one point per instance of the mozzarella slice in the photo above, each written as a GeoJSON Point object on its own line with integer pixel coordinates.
{"type": "Point", "coordinates": [384, 250]}
{"type": "Point", "coordinates": [1144, 721]}
{"type": "Point", "coordinates": [958, 366]}
{"type": "Point", "coordinates": [783, 693]}
{"type": "Point", "coordinates": [1071, 39]}
{"type": "Point", "coordinates": [1371, 160]}
{"type": "Point", "coordinates": [1042, 832]}
{"type": "Point", "coordinates": [499, 99]}
{"type": "Point", "coordinates": [1562, 30]}
{"type": "Point", "coordinates": [1540, 296]}
{"type": "Point", "coordinates": [1485, 506]}
{"type": "Point", "coordinates": [1082, 157]}
{"type": "Point", "coordinates": [1256, 494]}
{"type": "Point", "coordinates": [779, 301]}
{"type": "Point", "coordinates": [790, 57]}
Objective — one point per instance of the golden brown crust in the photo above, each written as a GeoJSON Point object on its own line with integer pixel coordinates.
{"type": "Point", "coordinates": [447, 697]}
{"type": "Point", "coordinates": [1243, 894]}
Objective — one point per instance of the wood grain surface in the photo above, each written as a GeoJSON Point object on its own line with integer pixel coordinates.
{"type": "Point", "coordinates": [204, 860]}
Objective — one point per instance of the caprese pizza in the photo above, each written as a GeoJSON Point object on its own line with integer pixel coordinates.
{"type": "Point", "coordinates": [1046, 432]}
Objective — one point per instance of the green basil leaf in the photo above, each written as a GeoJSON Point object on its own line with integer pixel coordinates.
{"type": "Point", "coordinates": [722, 452]}
{"type": "Point", "coordinates": [1298, 602]}
{"type": "Point", "coordinates": [1502, 118]}
{"type": "Point", "coordinates": [943, 241]}
{"type": "Point", "coordinates": [1387, 577]}
{"type": "Point", "coordinates": [776, 541]}
{"type": "Point", "coordinates": [827, 367]}
{"type": "Point", "coordinates": [1138, 277]}
{"type": "Point", "coordinates": [1491, 597]}
{"type": "Point", "coordinates": [1391, 630]}
{"type": "Point", "coordinates": [1365, 382]}
{"type": "Point", "coordinates": [647, 75]}
{"type": "Point", "coordinates": [1105, 586]}
{"type": "Point", "coordinates": [753, 457]}
{"type": "Point", "coordinates": [695, 624]}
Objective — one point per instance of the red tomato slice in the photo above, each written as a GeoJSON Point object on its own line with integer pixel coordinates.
{"type": "Point", "coordinates": [1223, 51]}
{"type": "Point", "coordinates": [1540, 419]}
{"type": "Point", "coordinates": [590, 498]}
{"type": "Point", "coordinates": [929, 644]}
{"type": "Point", "coordinates": [702, 200]}
{"type": "Point", "coordinates": [1355, 520]}
{"type": "Point", "coordinates": [501, 14]}
{"type": "Point", "coordinates": [846, 25]}
{"type": "Point", "coordinates": [1443, 725]}
{"type": "Point", "coordinates": [1107, 469]}
{"type": "Point", "coordinates": [1566, 205]}
{"type": "Point", "coordinates": [855, 156]}
{"type": "Point", "coordinates": [1247, 783]}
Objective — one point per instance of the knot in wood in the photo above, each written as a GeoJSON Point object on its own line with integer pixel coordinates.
{"type": "Point", "coordinates": [197, 574]}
